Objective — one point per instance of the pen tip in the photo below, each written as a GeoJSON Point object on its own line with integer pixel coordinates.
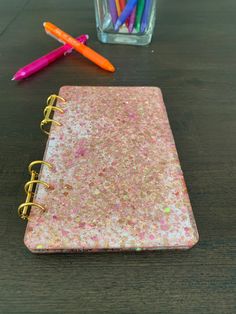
{"type": "Point", "coordinates": [143, 26]}
{"type": "Point", "coordinates": [13, 79]}
{"type": "Point", "coordinates": [111, 68]}
{"type": "Point", "coordinates": [117, 25]}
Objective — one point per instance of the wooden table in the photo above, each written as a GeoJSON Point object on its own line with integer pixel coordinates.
{"type": "Point", "coordinates": [192, 58]}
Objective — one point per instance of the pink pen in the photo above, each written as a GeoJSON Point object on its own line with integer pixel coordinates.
{"type": "Point", "coordinates": [132, 20]}
{"type": "Point", "coordinates": [45, 60]}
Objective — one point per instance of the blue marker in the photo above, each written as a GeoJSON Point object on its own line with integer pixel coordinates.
{"type": "Point", "coordinates": [146, 15]}
{"type": "Point", "coordinates": [125, 13]}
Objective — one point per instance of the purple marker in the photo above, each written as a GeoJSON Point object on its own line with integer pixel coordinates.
{"type": "Point", "coordinates": [45, 60]}
{"type": "Point", "coordinates": [113, 11]}
{"type": "Point", "coordinates": [146, 15]}
{"type": "Point", "coordinates": [132, 20]}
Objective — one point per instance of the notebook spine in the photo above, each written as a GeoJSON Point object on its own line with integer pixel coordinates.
{"type": "Point", "coordinates": [24, 208]}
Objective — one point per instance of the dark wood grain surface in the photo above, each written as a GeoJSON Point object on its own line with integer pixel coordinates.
{"type": "Point", "coordinates": [192, 58]}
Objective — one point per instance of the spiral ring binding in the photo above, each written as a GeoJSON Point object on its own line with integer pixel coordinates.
{"type": "Point", "coordinates": [54, 96]}
{"type": "Point", "coordinates": [23, 209]}
{"type": "Point", "coordinates": [26, 187]}
{"type": "Point", "coordinates": [37, 162]}
{"type": "Point", "coordinates": [47, 112]}
{"type": "Point", "coordinates": [46, 121]}
{"type": "Point", "coordinates": [53, 108]}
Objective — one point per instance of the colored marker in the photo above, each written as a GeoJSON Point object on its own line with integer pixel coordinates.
{"type": "Point", "coordinates": [45, 60]}
{"type": "Point", "coordinates": [122, 6]}
{"type": "Point", "coordinates": [87, 52]}
{"type": "Point", "coordinates": [139, 14]}
{"type": "Point", "coordinates": [146, 15]}
{"type": "Point", "coordinates": [132, 20]}
{"type": "Point", "coordinates": [118, 7]}
{"type": "Point", "coordinates": [113, 11]}
{"type": "Point", "coordinates": [125, 13]}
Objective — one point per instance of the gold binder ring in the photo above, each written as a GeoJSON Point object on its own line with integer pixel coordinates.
{"type": "Point", "coordinates": [53, 98]}
{"type": "Point", "coordinates": [47, 112]}
{"type": "Point", "coordinates": [49, 108]}
{"type": "Point", "coordinates": [37, 162]}
{"type": "Point", "coordinates": [31, 182]}
{"type": "Point", "coordinates": [46, 121]}
{"type": "Point", "coordinates": [23, 209]}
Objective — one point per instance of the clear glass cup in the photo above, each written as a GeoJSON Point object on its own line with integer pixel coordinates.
{"type": "Point", "coordinates": [137, 28]}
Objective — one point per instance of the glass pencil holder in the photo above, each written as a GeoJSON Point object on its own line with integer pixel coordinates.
{"type": "Point", "coordinates": [129, 22]}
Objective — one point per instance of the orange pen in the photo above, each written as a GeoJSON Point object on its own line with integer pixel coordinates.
{"type": "Point", "coordinates": [118, 7]}
{"type": "Point", "coordinates": [87, 52]}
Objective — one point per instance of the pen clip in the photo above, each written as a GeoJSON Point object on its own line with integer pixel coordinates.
{"type": "Point", "coordinates": [50, 34]}
{"type": "Point", "coordinates": [68, 52]}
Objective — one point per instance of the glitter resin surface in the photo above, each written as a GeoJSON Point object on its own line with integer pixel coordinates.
{"type": "Point", "coordinates": [116, 182]}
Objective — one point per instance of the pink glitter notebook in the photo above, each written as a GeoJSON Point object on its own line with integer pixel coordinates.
{"type": "Point", "coordinates": [111, 178]}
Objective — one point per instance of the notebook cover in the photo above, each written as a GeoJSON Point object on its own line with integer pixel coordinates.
{"type": "Point", "coordinates": [117, 183]}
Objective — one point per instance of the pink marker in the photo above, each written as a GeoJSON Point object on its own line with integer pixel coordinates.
{"type": "Point", "coordinates": [132, 20]}
{"type": "Point", "coordinates": [45, 60]}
